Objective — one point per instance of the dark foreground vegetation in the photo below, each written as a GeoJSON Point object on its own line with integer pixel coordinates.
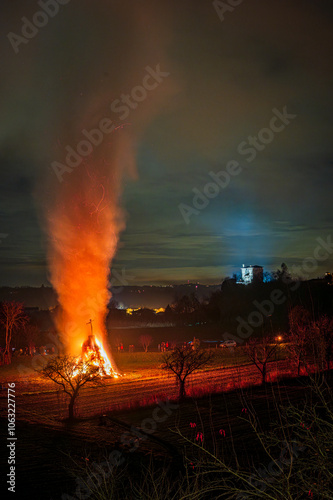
{"type": "Point", "coordinates": [272, 441]}
{"type": "Point", "coordinates": [272, 449]}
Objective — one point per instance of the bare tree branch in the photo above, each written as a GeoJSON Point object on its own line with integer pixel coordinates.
{"type": "Point", "coordinates": [260, 352]}
{"type": "Point", "coordinates": [145, 341]}
{"type": "Point", "coordinates": [12, 317]}
{"type": "Point", "coordinates": [183, 361]}
{"type": "Point", "coordinates": [71, 375]}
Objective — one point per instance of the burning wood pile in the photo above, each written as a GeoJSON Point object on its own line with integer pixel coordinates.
{"type": "Point", "coordinates": [94, 353]}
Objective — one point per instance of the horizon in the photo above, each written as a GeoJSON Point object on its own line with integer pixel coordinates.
{"type": "Point", "coordinates": [170, 284]}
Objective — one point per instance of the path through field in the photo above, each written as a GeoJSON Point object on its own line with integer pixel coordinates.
{"type": "Point", "coordinates": [38, 401]}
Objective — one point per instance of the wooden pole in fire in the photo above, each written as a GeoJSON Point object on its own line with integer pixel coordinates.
{"type": "Point", "coordinates": [90, 323]}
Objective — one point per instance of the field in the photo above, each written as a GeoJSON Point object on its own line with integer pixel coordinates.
{"type": "Point", "coordinates": [213, 411]}
{"type": "Point", "coordinates": [130, 335]}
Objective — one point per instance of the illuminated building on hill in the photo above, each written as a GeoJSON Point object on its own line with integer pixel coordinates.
{"type": "Point", "coordinates": [251, 274]}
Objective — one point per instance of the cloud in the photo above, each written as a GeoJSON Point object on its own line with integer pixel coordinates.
{"type": "Point", "coordinates": [226, 78]}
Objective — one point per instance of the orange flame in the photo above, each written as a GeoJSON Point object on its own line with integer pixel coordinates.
{"type": "Point", "coordinates": [84, 230]}
{"type": "Point", "coordinates": [94, 353]}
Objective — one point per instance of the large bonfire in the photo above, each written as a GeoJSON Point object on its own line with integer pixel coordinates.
{"type": "Point", "coordinates": [84, 225]}
{"type": "Point", "coordinates": [94, 353]}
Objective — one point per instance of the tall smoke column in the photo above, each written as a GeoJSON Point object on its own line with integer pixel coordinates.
{"type": "Point", "coordinates": [84, 216]}
{"type": "Point", "coordinates": [84, 225]}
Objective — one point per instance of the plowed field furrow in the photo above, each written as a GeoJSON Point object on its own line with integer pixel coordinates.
{"type": "Point", "coordinates": [123, 393]}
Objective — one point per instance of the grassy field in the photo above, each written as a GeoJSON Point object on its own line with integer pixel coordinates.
{"type": "Point", "coordinates": [226, 357]}
{"type": "Point", "coordinates": [177, 334]}
{"type": "Point", "coordinates": [145, 362]}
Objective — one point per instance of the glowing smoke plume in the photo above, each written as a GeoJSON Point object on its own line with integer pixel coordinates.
{"type": "Point", "coordinates": [84, 216]}
{"type": "Point", "coordinates": [85, 225]}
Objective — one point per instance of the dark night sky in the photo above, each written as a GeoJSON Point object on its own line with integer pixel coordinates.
{"type": "Point", "coordinates": [225, 79]}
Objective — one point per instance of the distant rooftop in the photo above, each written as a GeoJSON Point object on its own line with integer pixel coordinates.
{"type": "Point", "coordinates": [260, 267]}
